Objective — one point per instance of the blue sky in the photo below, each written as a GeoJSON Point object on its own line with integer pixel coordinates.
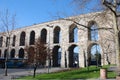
{"type": "Point", "coordinates": [30, 12]}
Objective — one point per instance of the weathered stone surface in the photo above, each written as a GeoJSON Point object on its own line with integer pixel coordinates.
{"type": "Point", "coordinates": [105, 40]}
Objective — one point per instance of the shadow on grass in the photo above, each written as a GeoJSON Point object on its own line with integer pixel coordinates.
{"type": "Point", "coordinates": [71, 74]}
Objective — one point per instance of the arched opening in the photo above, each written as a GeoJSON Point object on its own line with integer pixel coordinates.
{"type": "Point", "coordinates": [57, 35]}
{"type": "Point", "coordinates": [73, 56]}
{"type": "Point", "coordinates": [22, 39]}
{"type": "Point", "coordinates": [93, 31]}
{"type": "Point", "coordinates": [32, 38]}
{"type": "Point", "coordinates": [12, 53]}
{"type": "Point", "coordinates": [73, 33]}
{"type": "Point", "coordinates": [43, 35]}
{"type": "Point", "coordinates": [7, 40]}
{"type": "Point", "coordinates": [1, 41]}
{"type": "Point", "coordinates": [119, 37]}
{"type": "Point", "coordinates": [94, 56]}
{"type": "Point", "coordinates": [21, 53]}
{"type": "Point", "coordinates": [0, 54]}
{"type": "Point", "coordinates": [5, 53]}
{"type": "Point", "coordinates": [56, 57]}
{"type": "Point", "coordinates": [14, 40]}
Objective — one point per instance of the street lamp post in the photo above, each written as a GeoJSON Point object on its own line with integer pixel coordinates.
{"type": "Point", "coordinates": [49, 51]}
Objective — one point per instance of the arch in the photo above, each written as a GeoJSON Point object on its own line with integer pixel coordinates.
{"type": "Point", "coordinates": [73, 51]}
{"type": "Point", "coordinates": [1, 41]}
{"type": "Point", "coordinates": [32, 38]}
{"type": "Point", "coordinates": [22, 38]}
{"type": "Point", "coordinates": [94, 54]}
{"type": "Point", "coordinates": [5, 53]}
{"type": "Point", "coordinates": [21, 53]}
{"type": "Point", "coordinates": [73, 33]}
{"type": "Point", "coordinates": [119, 37]}
{"type": "Point", "coordinates": [43, 35]}
{"type": "Point", "coordinates": [56, 34]}
{"type": "Point", "coordinates": [56, 57]}
{"type": "Point", "coordinates": [7, 40]}
{"type": "Point", "coordinates": [14, 40]}
{"type": "Point", "coordinates": [12, 53]}
{"type": "Point", "coordinates": [93, 31]}
{"type": "Point", "coordinates": [0, 53]}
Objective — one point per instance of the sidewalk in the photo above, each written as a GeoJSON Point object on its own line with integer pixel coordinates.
{"type": "Point", "coordinates": [12, 76]}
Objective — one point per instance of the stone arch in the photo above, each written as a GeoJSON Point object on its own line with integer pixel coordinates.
{"type": "Point", "coordinates": [93, 31]}
{"type": "Point", "coordinates": [56, 56]}
{"type": "Point", "coordinates": [57, 34]}
{"type": "Point", "coordinates": [0, 53]}
{"type": "Point", "coordinates": [14, 40]}
{"type": "Point", "coordinates": [21, 53]}
{"type": "Point", "coordinates": [94, 54]}
{"type": "Point", "coordinates": [1, 41]}
{"type": "Point", "coordinates": [7, 40]}
{"type": "Point", "coordinates": [22, 38]}
{"type": "Point", "coordinates": [43, 35]}
{"type": "Point", "coordinates": [12, 53]}
{"type": "Point", "coordinates": [32, 38]}
{"type": "Point", "coordinates": [73, 56]}
{"type": "Point", "coordinates": [73, 33]}
{"type": "Point", "coordinates": [5, 53]}
{"type": "Point", "coordinates": [119, 37]}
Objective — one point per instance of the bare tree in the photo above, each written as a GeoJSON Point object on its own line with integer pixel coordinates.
{"type": "Point", "coordinates": [7, 26]}
{"type": "Point", "coordinates": [37, 54]}
{"type": "Point", "coordinates": [113, 6]}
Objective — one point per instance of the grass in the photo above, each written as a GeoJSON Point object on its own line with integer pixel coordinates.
{"type": "Point", "coordinates": [80, 73]}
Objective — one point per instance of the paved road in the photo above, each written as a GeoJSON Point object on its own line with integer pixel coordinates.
{"type": "Point", "coordinates": [15, 73]}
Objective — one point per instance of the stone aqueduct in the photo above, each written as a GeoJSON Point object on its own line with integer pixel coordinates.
{"type": "Point", "coordinates": [63, 37]}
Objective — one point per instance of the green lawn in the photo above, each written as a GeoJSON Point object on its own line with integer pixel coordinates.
{"type": "Point", "coordinates": [81, 73]}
